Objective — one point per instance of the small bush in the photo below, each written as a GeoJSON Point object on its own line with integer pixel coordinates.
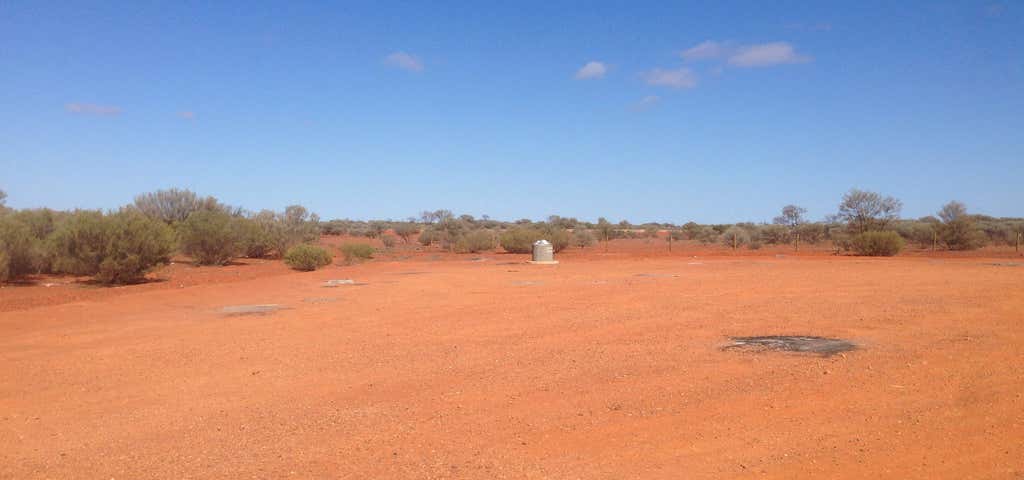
{"type": "Point", "coordinates": [429, 236]}
{"type": "Point", "coordinates": [136, 244]}
{"type": "Point", "coordinates": [475, 242]}
{"type": "Point", "coordinates": [520, 239]}
{"type": "Point", "coordinates": [18, 249]}
{"type": "Point", "coordinates": [877, 244]}
{"type": "Point", "coordinates": [389, 241]}
{"type": "Point", "coordinates": [406, 230]}
{"type": "Point", "coordinates": [355, 252]}
{"type": "Point", "coordinates": [707, 235]}
{"type": "Point", "coordinates": [734, 237]}
{"type": "Point", "coordinates": [307, 257]}
{"type": "Point", "coordinates": [558, 236]}
{"type": "Point", "coordinates": [79, 244]}
{"type": "Point", "coordinates": [583, 238]}
{"type": "Point", "coordinates": [210, 237]}
{"type": "Point", "coordinates": [116, 248]}
{"type": "Point", "coordinates": [255, 238]}
{"type": "Point", "coordinates": [755, 245]}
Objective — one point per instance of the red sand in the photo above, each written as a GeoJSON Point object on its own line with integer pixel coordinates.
{"type": "Point", "coordinates": [443, 367]}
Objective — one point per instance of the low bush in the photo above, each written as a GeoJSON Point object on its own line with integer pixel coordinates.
{"type": "Point", "coordinates": [706, 235]}
{"type": "Point", "coordinates": [355, 252]}
{"type": "Point", "coordinates": [18, 249]}
{"type": "Point", "coordinates": [78, 246]}
{"type": "Point", "coordinates": [558, 236]}
{"type": "Point", "coordinates": [135, 244]}
{"type": "Point", "coordinates": [877, 243]}
{"type": "Point", "coordinates": [116, 248]}
{"type": "Point", "coordinates": [583, 238]}
{"type": "Point", "coordinates": [255, 236]}
{"type": "Point", "coordinates": [210, 237]}
{"type": "Point", "coordinates": [475, 241]}
{"type": "Point", "coordinates": [406, 230]}
{"type": "Point", "coordinates": [734, 237]}
{"type": "Point", "coordinates": [307, 257]}
{"type": "Point", "coordinates": [429, 236]}
{"type": "Point", "coordinates": [520, 239]}
{"type": "Point", "coordinates": [389, 241]}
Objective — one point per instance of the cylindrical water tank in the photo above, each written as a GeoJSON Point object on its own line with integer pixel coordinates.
{"type": "Point", "coordinates": [543, 252]}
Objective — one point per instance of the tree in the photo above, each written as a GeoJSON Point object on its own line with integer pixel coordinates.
{"type": "Point", "coordinates": [174, 205]}
{"type": "Point", "coordinates": [209, 237]}
{"type": "Point", "coordinates": [406, 230]}
{"type": "Point", "coordinates": [865, 211]}
{"type": "Point", "coordinates": [959, 230]}
{"type": "Point", "coordinates": [3, 198]}
{"type": "Point", "coordinates": [605, 231]}
{"type": "Point", "coordinates": [792, 217]}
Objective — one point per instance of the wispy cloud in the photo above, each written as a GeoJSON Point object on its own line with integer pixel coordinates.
{"type": "Point", "coordinates": [704, 50]}
{"type": "Point", "coordinates": [767, 55]}
{"type": "Point", "coordinates": [810, 27]}
{"type": "Point", "coordinates": [187, 115]}
{"type": "Point", "coordinates": [679, 78]}
{"type": "Point", "coordinates": [93, 109]}
{"type": "Point", "coordinates": [591, 70]}
{"type": "Point", "coordinates": [646, 103]}
{"type": "Point", "coordinates": [754, 55]}
{"type": "Point", "coordinates": [404, 61]}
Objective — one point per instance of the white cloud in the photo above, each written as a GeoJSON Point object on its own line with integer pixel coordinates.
{"type": "Point", "coordinates": [678, 78]}
{"type": "Point", "coordinates": [187, 115]}
{"type": "Point", "coordinates": [766, 55]}
{"type": "Point", "coordinates": [756, 55]}
{"type": "Point", "coordinates": [647, 103]}
{"type": "Point", "coordinates": [92, 109]}
{"type": "Point", "coordinates": [591, 70]}
{"type": "Point", "coordinates": [404, 61]}
{"type": "Point", "coordinates": [704, 50]}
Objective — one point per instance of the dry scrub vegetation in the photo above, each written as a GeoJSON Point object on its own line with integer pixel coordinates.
{"type": "Point", "coordinates": [121, 246]}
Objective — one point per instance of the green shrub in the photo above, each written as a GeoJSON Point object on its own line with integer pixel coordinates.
{"type": "Point", "coordinates": [734, 237]}
{"type": "Point", "coordinates": [79, 244]}
{"type": "Point", "coordinates": [520, 239]}
{"type": "Point", "coordinates": [583, 238]}
{"type": "Point", "coordinates": [210, 237]}
{"type": "Point", "coordinates": [307, 257]}
{"type": "Point", "coordinates": [135, 244]}
{"type": "Point", "coordinates": [428, 236]}
{"type": "Point", "coordinates": [475, 242]}
{"type": "Point", "coordinates": [877, 243]}
{"type": "Point", "coordinates": [558, 236]}
{"type": "Point", "coordinates": [255, 239]}
{"type": "Point", "coordinates": [707, 235]}
{"type": "Point", "coordinates": [355, 252]}
{"type": "Point", "coordinates": [115, 248]}
{"type": "Point", "coordinates": [406, 230]}
{"type": "Point", "coordinates": [19, 252]}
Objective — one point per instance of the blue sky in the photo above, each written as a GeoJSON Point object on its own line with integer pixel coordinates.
{"type": "Point", "coordinates": [643, 111]}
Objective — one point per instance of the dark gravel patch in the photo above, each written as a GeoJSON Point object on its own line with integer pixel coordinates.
{"type": "Point", "coordinates": [823, 346]}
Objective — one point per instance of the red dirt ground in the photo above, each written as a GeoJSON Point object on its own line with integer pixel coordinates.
{"type": "Point", "coordinates": [607, 365]}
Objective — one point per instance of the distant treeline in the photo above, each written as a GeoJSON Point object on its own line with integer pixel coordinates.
{"type": "Point", "coordinates": [122, 246]}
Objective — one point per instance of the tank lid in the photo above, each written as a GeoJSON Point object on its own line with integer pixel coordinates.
{"type": "Point", "coordinates": [542, 242]}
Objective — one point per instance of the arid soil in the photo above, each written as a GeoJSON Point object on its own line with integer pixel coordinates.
{"type": "Point", "coordinates": [608, 365]}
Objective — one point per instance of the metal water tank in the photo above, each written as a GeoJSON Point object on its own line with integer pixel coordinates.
{"type": "Point", "coordinates": [543, 252]}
